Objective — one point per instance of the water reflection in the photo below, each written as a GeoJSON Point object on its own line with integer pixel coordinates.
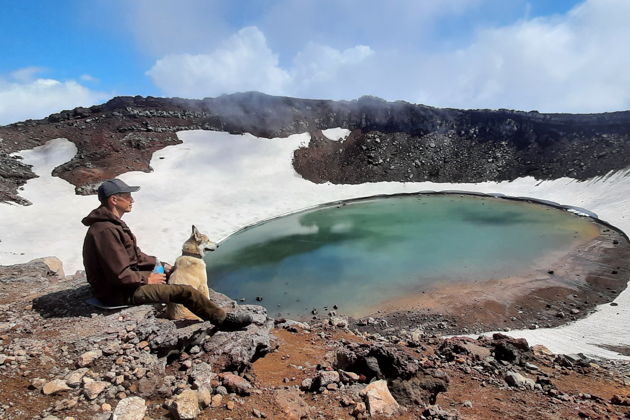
{"type": "Point", "coordinates": [361, 253]}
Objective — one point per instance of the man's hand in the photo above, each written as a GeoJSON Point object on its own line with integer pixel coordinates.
{"type": "Point", "coordinates": [156, 278]}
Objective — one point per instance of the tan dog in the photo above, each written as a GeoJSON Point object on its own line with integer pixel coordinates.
{"type": "Point", "coordinates": [190, 269]}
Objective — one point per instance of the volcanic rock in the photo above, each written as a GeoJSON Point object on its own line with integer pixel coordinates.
{"type": "Point", "coordinates": [132, 408]}
{"type": "Point", "coordinates": [378, 399]}
{"type": "Point", "coordinates": [202, 375]}
{"type": "Point", "coordinates": [515, 379]}
{"type": "Point", "coordinates": [94, 389]}
{"type": "Point", "coordinates": [325, 377]}
{"type": "Point", "coordinates": [74, 378]}
{"type": "Point", "coordinates": [422, 389]}
{"type": "Point", "coordinates": [376, 361]}
{"type": "Point", "coordinates": [186, 405]}
{"type": "Point", "coordinates": [55, 386]}
{"type": "Point", "coordinates": [89, 357]}
{"type": "Point", "coordinates": [390, 141]}
{"type": "Point", "coordinates": [292, 404]}
{"type": "Point", "coordinates": [513, 350]}
{"type": "Point", "coordinates": [235, 383]}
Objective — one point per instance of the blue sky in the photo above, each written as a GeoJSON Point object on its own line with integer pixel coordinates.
{"type": "Point", "coordinates": [553, 56]}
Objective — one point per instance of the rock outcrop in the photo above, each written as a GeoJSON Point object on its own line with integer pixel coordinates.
{"type": "Point", "coordinates": [391, 141]}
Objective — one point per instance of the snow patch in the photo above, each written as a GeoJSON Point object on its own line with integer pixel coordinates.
{"type": "Point", "coordinates": [336, 134]}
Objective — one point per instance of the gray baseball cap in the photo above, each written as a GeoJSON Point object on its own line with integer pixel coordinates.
{"type": "Point", "coordinates": [114, 186]}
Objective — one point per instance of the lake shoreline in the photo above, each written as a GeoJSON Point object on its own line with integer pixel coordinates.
{"type": "Point", "coordinates": [592, 274]}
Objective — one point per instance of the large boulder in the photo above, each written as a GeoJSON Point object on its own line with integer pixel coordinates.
{"type": "Point", "coordinates": [36, 271]}
{"type": "Point", "coordinates": [236, 350]}
{"type": "Point", "coordinates": [512, 350]}
{"type": "Point", "coordinates": [422, 389]}
{"type": "Point", "coordinates": [381, 361]}
{"type": "Point", "coordinates": [379, 400]}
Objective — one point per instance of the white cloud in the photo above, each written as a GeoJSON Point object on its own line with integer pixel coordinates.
{"type": "Point", "coordinates": [575, 62]}
{"type": "Point", "coordinates": [572, 63]}
{"type": "Point", "coordinates": [245, 62]}
{"type": "Point", "coordinates": [22, 96]}
{"type": "Point", "coordinates": [566, 63]}
{"type": "Point", "coordinates": [319, 69]}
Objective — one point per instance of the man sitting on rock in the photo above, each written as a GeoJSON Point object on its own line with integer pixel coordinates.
{"type": "Point", "coordinates": [120, 274]}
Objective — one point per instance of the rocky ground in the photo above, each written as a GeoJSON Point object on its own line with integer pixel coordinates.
{"type": "Point", "coordinates": [61, 358]}
{"type": "Point", "coordinates": [391, 141]}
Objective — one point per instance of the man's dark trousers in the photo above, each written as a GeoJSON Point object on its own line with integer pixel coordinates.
{"type": "Point", "coordinates": [188, 296]}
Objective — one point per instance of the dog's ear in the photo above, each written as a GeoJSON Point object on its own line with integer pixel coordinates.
{"type": "Point", "coordinates": [195, 232]}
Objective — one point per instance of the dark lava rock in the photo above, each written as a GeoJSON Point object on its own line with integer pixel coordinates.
{"type": "Point", "coordinates": [421, 389]}
{"type": "Point", "coordinates": [390, 141]}
{"type": "Point", "coordinates": [512, 350]}
{"type": "Point", "coordinates": [376, 361]}
{"type": "Point", "coordinates": [449, 349]}
{"type": "Point", "coordinates": [236, 350]}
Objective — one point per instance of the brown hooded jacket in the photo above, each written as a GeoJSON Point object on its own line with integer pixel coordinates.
{"type": "Point", "coordinates": [114, 265]}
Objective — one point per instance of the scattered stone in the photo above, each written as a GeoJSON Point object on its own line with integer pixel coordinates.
{"type": "Point", "coordinates": [89, 357]}
{"type": "Point", "coordinates": [75, 377]}
{"type": "Point", "coordinates": [65, 404]}
{"type": "Point", "coordinates": [94, 389]}
{"type": "Point", "coordinates": [202, 375]}
{"type": "Point", "coordinates": [186, 405]}
{"type": "Point", "coordinates": [307, 384]}
{"type": "Point", "coordinates": [436, 412]}
{"type": "Point", "coordinates": [348, 377]}
{"type": "Point", "coordinates": [230, 405]}
{"type": "Point", "coordinates": [292, 404]}
{"type": "Point", "coordinates": [205, 397]}
{"type": "Point", "coordinates": [338, 321]}
{"type": "Point", "coordinates": [216, 401]}
{"type": "Point", "coordinates": [235, 383]}
{"type": "Point", "coordinates": [133, 408]}
{"type": "Point", "coordinates": [55, 386]}
{"type": "Point", "coordinates": [38, 383]}
{"type": "Point", "coordinates": [111, 347]}
{"type": "Point", "coordinates": [258, 414]}
{"type": "Point", "coordinates": [467, 404]}
{"type": "Point", "coordinates": [325, 377]}
{"type": "Point", "coordinates": [517, 380]}
{"type": "Point", "coordinates": [378, 399]}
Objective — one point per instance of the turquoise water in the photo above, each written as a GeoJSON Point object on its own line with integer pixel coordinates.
{"type": "Point", "coordinates": [363, 253]}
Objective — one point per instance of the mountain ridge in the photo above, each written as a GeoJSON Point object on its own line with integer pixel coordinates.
{"type": "Point", "coordinates": [390, 141]}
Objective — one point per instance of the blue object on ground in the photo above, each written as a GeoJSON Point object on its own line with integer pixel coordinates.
{"type": "Point", "coordinates": [95, 302]}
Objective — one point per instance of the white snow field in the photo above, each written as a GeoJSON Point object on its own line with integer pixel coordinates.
{"type": "Point", "coordinates": [222, 182]}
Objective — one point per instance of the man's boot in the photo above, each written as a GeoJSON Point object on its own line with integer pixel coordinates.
{"type": "Point", "coordinates": [235, 321]}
